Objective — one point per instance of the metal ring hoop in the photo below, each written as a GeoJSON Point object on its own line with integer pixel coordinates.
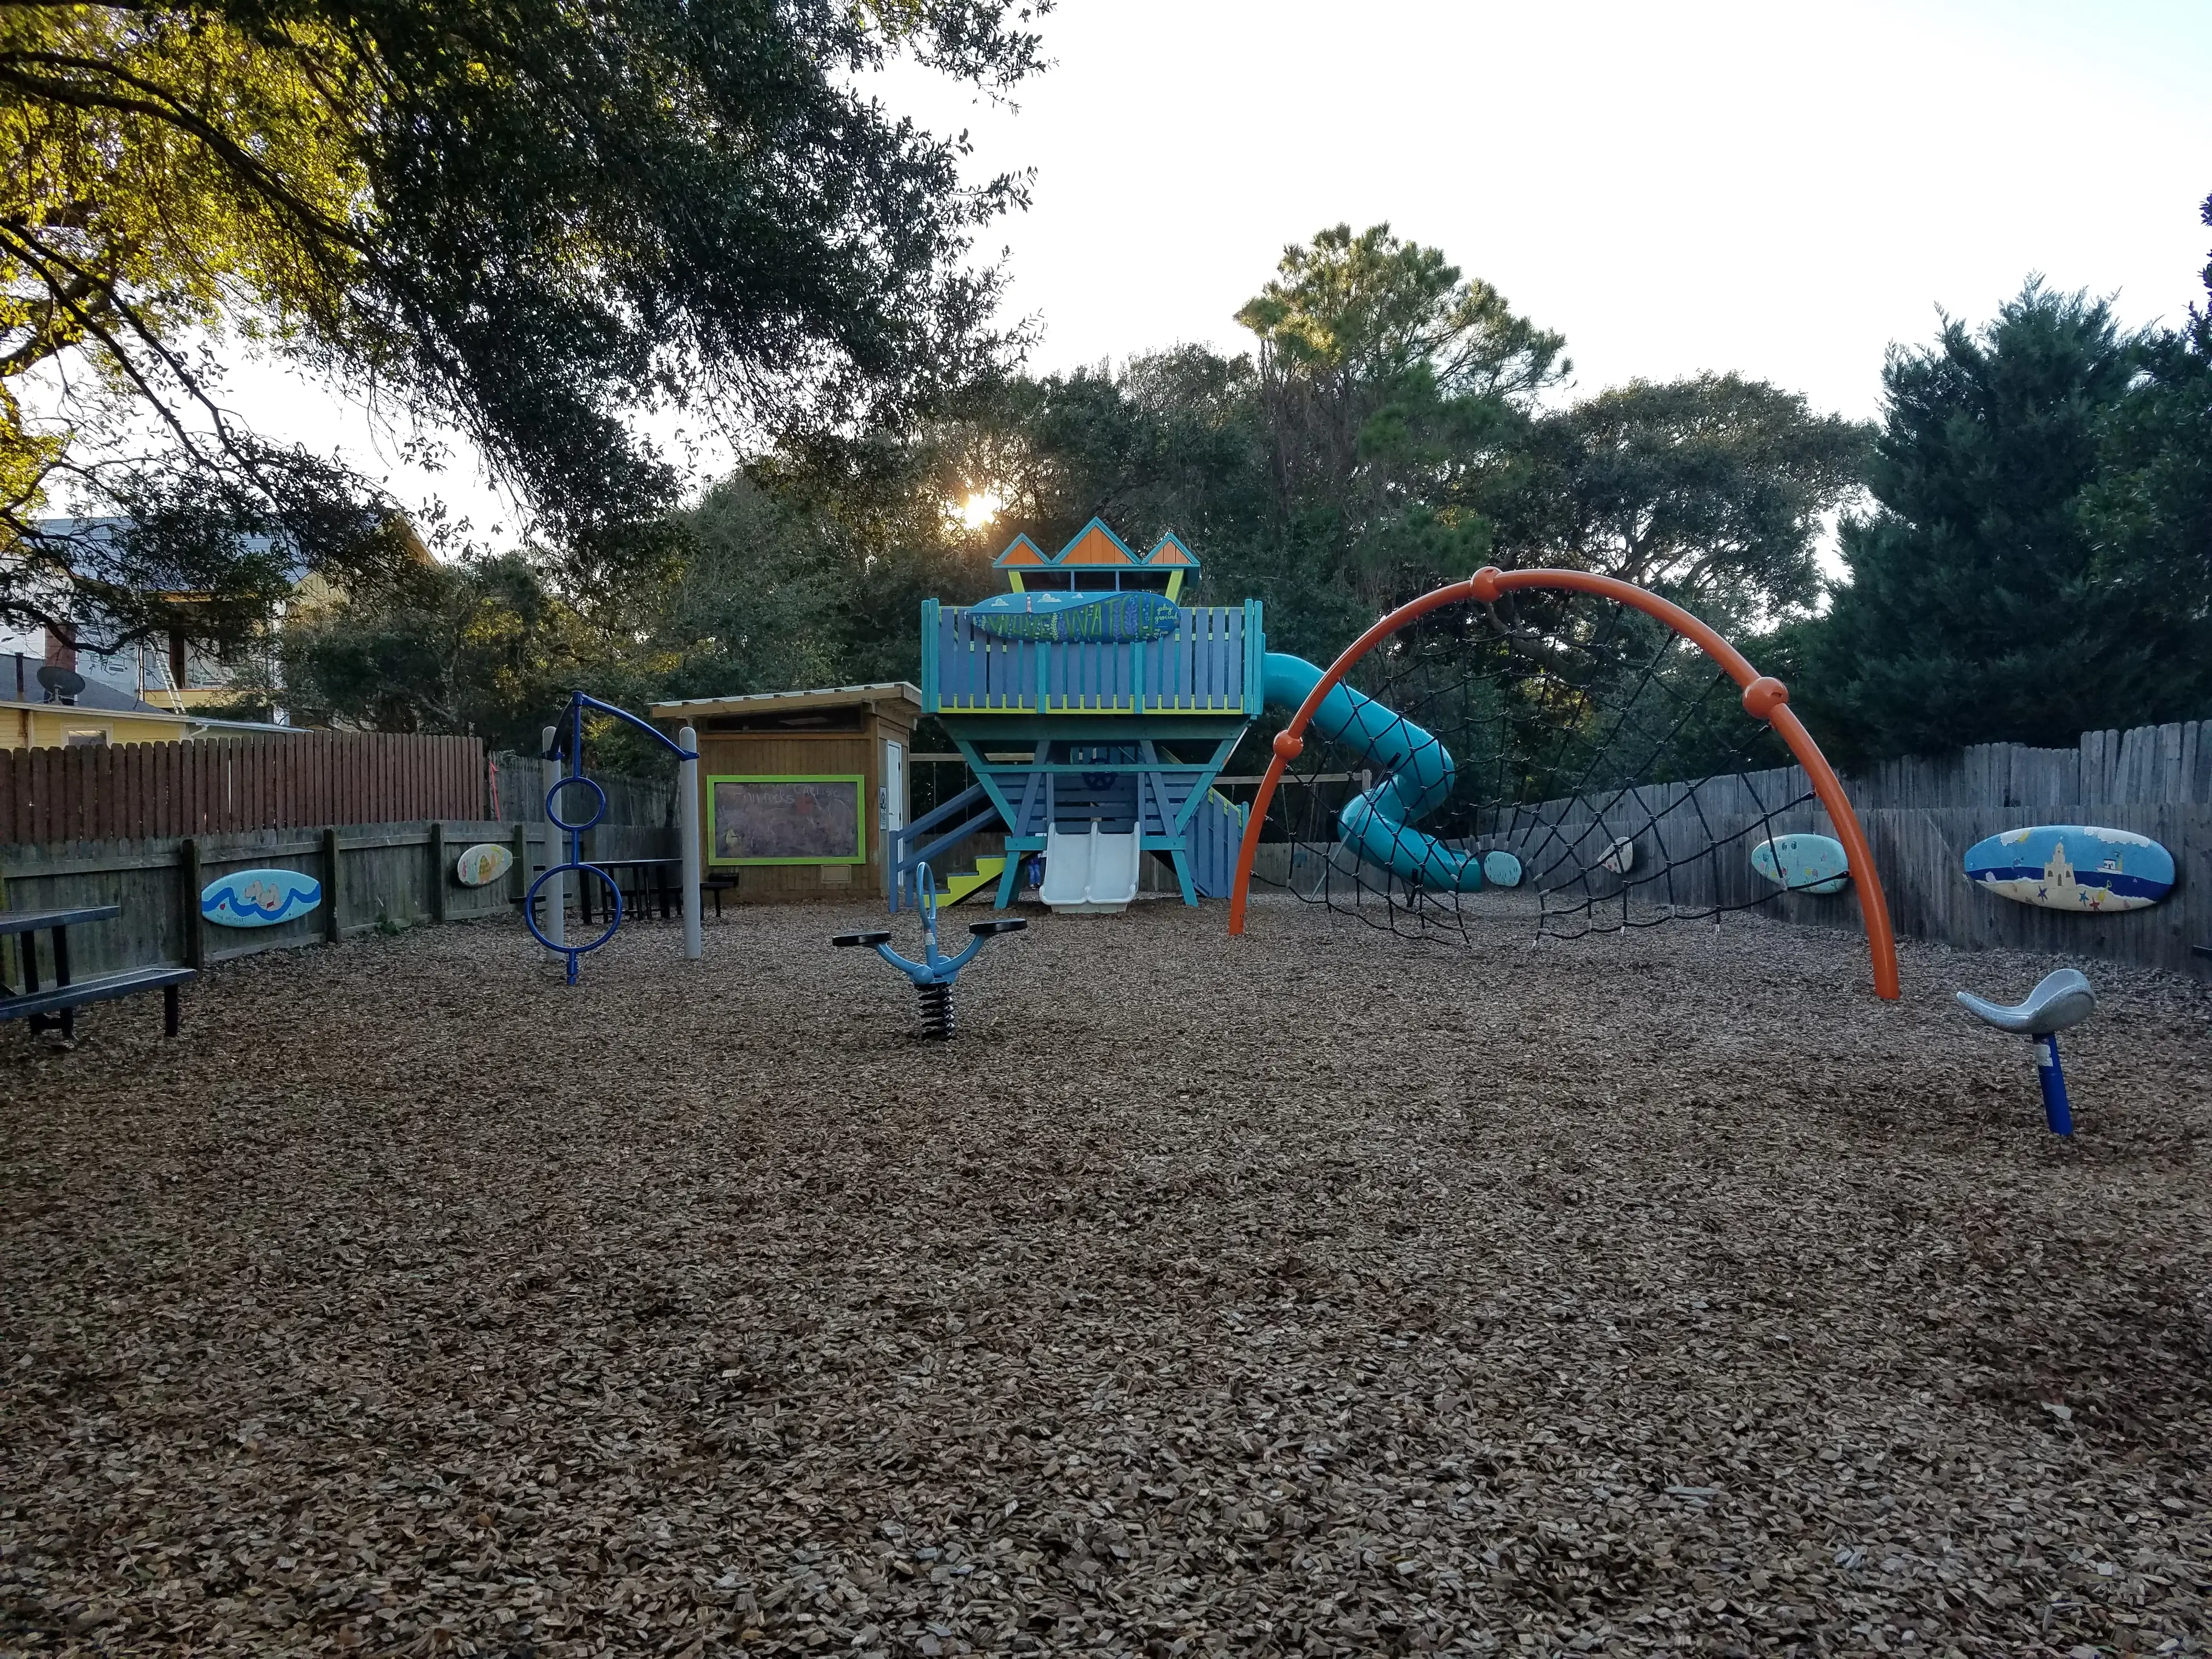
{"type": "Point", "coordinates": [530, 909]}
{"type": "Point", "coordinates": [553, 807]}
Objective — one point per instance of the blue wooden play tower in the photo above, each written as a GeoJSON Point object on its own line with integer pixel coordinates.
{"type": "Point", "coordinates": [1087, 719]}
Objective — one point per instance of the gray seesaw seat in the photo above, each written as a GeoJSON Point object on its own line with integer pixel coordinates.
{"type": "Point", "coordinates": [2062, 1001]}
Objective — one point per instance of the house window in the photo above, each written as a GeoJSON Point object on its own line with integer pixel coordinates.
{"type": "Point", "coordinates": [85, 737]}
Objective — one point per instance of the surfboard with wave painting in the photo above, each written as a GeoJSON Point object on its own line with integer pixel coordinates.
{"type": "Point", "coordinates": [259, 899]}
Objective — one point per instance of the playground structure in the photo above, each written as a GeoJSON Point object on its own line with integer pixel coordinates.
{"type": "Point", "coordinates": [1597, 728]}
{"type": "Point", "coordinates": [2059, 1002]}
{"type": "Point", "coordinates": [933, 976]}
{"type": "Point", "coordinates": [564, 741]}
{"type": "Point", "coordinates": [1095, 712]}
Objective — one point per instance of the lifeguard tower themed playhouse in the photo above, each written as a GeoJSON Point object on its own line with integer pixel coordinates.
{"type": "Point", "coordinates": [1093, 711]}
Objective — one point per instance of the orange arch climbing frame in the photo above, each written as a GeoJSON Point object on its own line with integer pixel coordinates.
{"type": "Point", "coordinates": [1764, 698]}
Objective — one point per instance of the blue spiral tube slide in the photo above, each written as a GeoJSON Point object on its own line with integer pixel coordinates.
{"type": "Point", "coordinates": [1377, 825]}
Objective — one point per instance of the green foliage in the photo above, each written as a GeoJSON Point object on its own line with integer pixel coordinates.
{"type": "Point", "coordinates": [2149, 512]}
{"type": "Point", "coordinates": [478, 645]}
{"type": "Point", "coordinates": [1983, 603]}
{"type": "Point", "coordinates": [755, 604]}
{"type": "Point", "coordinates": [1711, 489]}
{"type": "Point", "coordinates": [1386, 437]}
{"type": "Point", "coordinates": [1386, 382]}
{"type": "Point", "coordinates": [528, 219]}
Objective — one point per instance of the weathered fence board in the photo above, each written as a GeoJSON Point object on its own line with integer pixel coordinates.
{"type": "Point", "coordinates": [391, 874]}
{"type": "Point", "coordinates": [220, 786]}
{"type": "Point", "coordinates": [1920, 815]}
{"type": "Point", "coordinates": [522, 780]}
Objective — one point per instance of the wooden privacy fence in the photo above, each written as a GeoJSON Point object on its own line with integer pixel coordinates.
{"type": "Point", "coordinates": [374, 875]}
{"type": "Point", "coordinates": [1922, 815]}
{"type": "Point", "coordinates": [521, 780]}
{"type": "Point", "coordinates": [134, 791]}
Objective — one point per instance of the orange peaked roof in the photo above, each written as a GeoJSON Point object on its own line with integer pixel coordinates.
{"type": "Point", "coordinates": [1097, 546]}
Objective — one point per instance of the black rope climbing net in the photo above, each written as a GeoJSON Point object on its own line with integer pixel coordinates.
{"type": "Point", "coordinates": [1596, 766]}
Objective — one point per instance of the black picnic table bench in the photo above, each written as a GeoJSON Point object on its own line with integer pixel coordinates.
{"type": "Point", "coordinates": [57, 1004]}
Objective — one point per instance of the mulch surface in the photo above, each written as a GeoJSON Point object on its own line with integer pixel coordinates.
{"type": "Point", "coordinates": [1305, 1293]}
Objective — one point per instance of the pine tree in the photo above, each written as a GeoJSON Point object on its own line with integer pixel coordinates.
{"type": "Point", "coordinates": [1980, 607]}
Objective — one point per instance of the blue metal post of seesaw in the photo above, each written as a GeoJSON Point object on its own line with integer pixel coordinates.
{"type": "Point", "coordinates": [572, 741]}
{"type": "Point", "coordinates": [2056, 1112]}
{"type": "Point", "coordinates": [2061, 1001]}
{"type": "Point", "coordinates": [933, 975]}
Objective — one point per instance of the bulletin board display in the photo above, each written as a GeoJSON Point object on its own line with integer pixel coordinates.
{"type": "Point", "coordinates": [787, 820]}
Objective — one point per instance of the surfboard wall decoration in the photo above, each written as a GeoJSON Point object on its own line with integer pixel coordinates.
{"type": "Point", "coordinates": [483, 864]}
{"type": "Point", "coordinates": [259, 899]}
{"type": "Point", "coordinates": [1804, 863]}
{"type": "Point", "coordinates": [2072, 866]}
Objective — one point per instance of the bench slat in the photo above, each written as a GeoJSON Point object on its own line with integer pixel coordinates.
{"type": "Point", "coordinates": [104, 988]}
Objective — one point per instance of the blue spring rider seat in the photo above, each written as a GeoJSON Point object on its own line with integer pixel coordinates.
{"type": "Point", "coordinates": [2061, 1001]}
{"type": "Point", "coordinates": [933, 975]}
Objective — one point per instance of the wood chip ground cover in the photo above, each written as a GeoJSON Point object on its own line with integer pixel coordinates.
{"type": "Point", "coordinates": [1305, 1293]}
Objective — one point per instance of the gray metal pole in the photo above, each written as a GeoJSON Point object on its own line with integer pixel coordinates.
{"type": "Point", "coordinates": [556, 892]}
{"type": "Point", "coordinates": [687, 819]}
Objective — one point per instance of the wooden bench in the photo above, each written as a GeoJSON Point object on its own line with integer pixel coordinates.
{"type": "Point", "coordinates": [56, 1004]}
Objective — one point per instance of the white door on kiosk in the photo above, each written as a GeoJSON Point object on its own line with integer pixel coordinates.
{"type": "Point", "coordinates": [891, 800]}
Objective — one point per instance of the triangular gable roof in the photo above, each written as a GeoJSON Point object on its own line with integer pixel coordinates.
{"type": "Point", "coordinates": [1020, 550]}
{"type": "Point", "coordinates": [1095, 544]}
{"type": "Point", "coordinates": [1171, 550]}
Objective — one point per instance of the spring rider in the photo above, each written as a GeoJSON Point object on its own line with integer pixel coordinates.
{"type": "Point", "coordinates": [2061, 1001]}
{"type": "Point", "coordinates": [933, 975]}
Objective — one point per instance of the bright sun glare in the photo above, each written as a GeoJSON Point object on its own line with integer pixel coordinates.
{"type": "Point", "coordinates": [980, 508]}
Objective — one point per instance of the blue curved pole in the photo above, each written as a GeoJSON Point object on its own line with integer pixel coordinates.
{"type": "Point", "coordinates": [569, 746]}
{"type": "Point", "coordinates": [1377, 825]}
{"type": "Point", "coordinates": [579, 701]}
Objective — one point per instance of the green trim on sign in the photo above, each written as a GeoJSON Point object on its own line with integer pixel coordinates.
{"type": "Point", "coordinates": [858, 781]}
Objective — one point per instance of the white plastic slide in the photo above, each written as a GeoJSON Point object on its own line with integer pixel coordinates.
{"type": "Point", "coordinates": [1092, 874]}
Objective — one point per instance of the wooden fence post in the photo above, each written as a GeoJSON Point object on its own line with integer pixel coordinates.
{"type": "Point", "coordinates": [188, 896]}
{"type": "Point", "coordinates": [333, 925]}
{"type": "Point", "coordinates": [437, 869]}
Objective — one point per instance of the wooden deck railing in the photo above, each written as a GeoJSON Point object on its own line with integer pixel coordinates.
{"type": "Point", "coordinates": [1210, 666]}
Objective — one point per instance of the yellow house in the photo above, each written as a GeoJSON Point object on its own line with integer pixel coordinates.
{"type": "Point", "coordinates": [96, 715]}
{"type": "Point", "coordinates": [63, 726]}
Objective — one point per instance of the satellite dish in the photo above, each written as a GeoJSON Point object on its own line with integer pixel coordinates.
{"type": "Point", "coordinates": [62, 685]}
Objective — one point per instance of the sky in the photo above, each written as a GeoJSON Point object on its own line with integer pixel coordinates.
{"type": "Point", "coordinates": [1781, 191]}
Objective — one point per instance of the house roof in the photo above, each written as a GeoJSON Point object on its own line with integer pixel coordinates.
{"type": "Point", "coordinates": [774, 702]}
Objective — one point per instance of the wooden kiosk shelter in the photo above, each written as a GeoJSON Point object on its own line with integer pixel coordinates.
{"type": "Point", "coordinates": [801, 792]}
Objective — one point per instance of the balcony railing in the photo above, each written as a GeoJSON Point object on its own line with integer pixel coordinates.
{"type": "Point", "coordinates": [1211, 664]}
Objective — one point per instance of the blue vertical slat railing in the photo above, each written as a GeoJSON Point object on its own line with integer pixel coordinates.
{"type": "Point", "coordinates": [1208, 665]}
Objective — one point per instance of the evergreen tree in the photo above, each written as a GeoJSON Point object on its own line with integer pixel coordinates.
{"type": "Point", "coordinates": [2148, 515]}
{"type": "Point", "coordinates": [1980, 607]}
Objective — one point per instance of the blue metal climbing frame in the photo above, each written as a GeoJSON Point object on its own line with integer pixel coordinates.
{"type": "Point", "coordinates": [568, 745]}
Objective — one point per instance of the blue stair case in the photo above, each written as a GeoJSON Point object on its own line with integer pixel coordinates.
{"type": "Point", "coordinates": [969, 813]}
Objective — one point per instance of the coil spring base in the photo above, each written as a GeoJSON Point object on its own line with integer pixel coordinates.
{"type": "Point", "coordinates": [936, 1012]}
